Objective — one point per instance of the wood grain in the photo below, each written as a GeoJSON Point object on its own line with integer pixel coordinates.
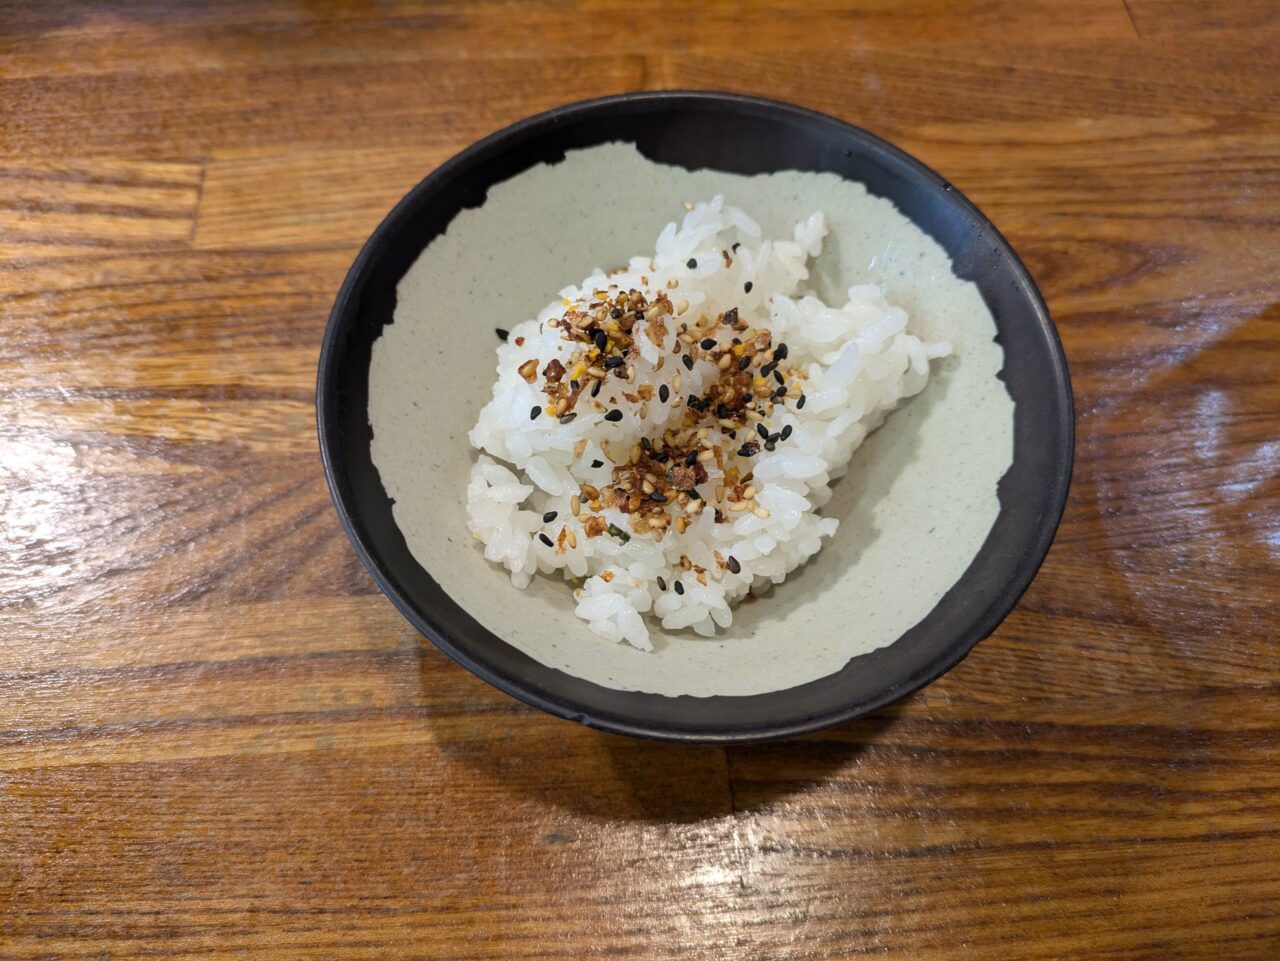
{"type": "Point", "coordinates": [217, 740]}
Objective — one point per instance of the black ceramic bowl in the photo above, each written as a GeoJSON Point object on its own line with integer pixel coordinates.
{"type": "Point", "coordinates": [740, 135]}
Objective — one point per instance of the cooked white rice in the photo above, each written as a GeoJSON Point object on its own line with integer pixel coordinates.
{"type": "Point", "coordinates": [843, 370]}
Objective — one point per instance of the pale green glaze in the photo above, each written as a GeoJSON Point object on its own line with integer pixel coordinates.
{"type": "Point", "coordinates": [916, 505]}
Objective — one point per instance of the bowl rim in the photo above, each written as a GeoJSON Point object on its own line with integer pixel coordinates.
{"type": "Point", "coordinates": [1001, 604]}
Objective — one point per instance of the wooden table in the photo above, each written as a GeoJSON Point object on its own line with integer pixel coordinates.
{"type": "Point", "coordinates": [217, 740]}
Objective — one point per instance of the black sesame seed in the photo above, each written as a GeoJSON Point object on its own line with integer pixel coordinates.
{"type": "Point", "coordinates": [548, 517]}
{"type": "Point", "coordinates": [662, 585]}
{"type": "Point", "coordinates": [780, 393]}
{"type": "Point", "coordinates": [546, 540]}
{"type": "Point", "coordinates": [745, 362]}
{"type": "Point", "coordinates": [615, 313]}
{"type": "Point", "coordinates": [780, 352]}
{"type": "Point", "coordinates": [568, 418]}
{"type": "Point", "coordinates": [664, 392]}
{"type": "Point", "coordinates": [786, 432]}
{"type": "Point", "coordinates": [770, 445]}
{"type": "Point", "coordinates": [746, 399]}
{"type": "Point", "coordinates": [746, 451]}
{"type": "Point", "coordinates": [774, 438]}
{"type": "Point", "coordinates": [574, 384]}
{"type": "Point", "coordinates": [639, 315]}
{"type": "Point", "coordinates": [768, 369]}
{"type": "Point", "coordinates": [722, 411]}
{"type": "Point", "coordinates": [737, 341]}
{"type": "Point", "coordinates": [646, 444]}
{"type": "Point", "coordinates": [502, 334]}
{"type": "Point", "coordinates": [687, 361]}
{"type": "Point", "coordinates": [746, 288]}
{"type": "Point", "coordinates": [613, 362]}
{"type": "Point", "coordinates": [800, 402]}
{"type": "Point", "coordinates": [601, 339]}
{"type": "Point", "coordinates": [734, 566]}
{"type": "Point", "coordinates": [693, 494]}
{"type": "Point", "coordinates": [614, 415]}
{"type": "Point", "coordinates": [691, 459]}
{"type": "Point", "coordinates": [762, 431]}
{"type": "Point", "coordinates": [660, 457]}
{"type": "Point", "coordinates": [597, 463]}
{"type": "Point", "coordinates": [708, 343]}
{"type": "Point", "coordinates": [595, 388]}
{"type": "Point", "coordinates": [735, 247]}
{"type": "Point", "coordinates": [658, 496]}
{"type": "Point", "coordinates": [691, 263]}
{"type": "Point", "coordinates": [533, 414]}
{"type": "Point", "coordinates": [777, 375]}
{"type": "Point", "coordinates": [679, 587]}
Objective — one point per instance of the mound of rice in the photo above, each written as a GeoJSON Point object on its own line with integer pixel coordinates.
{"type": "Point", "coordinates": [665, 435]}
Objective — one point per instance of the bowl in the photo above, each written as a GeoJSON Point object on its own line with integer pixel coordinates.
{"type": "Point", "coordinates": [461, 603]}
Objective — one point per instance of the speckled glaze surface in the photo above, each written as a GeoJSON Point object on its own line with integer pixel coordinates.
{"type": "Point", "coordinates": [918, 501]}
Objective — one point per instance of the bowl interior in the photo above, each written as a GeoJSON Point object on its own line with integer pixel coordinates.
{"type": "Point", "coordinates": [914, 509]}
{"type": "Point", "coordinates": [734, 135]}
